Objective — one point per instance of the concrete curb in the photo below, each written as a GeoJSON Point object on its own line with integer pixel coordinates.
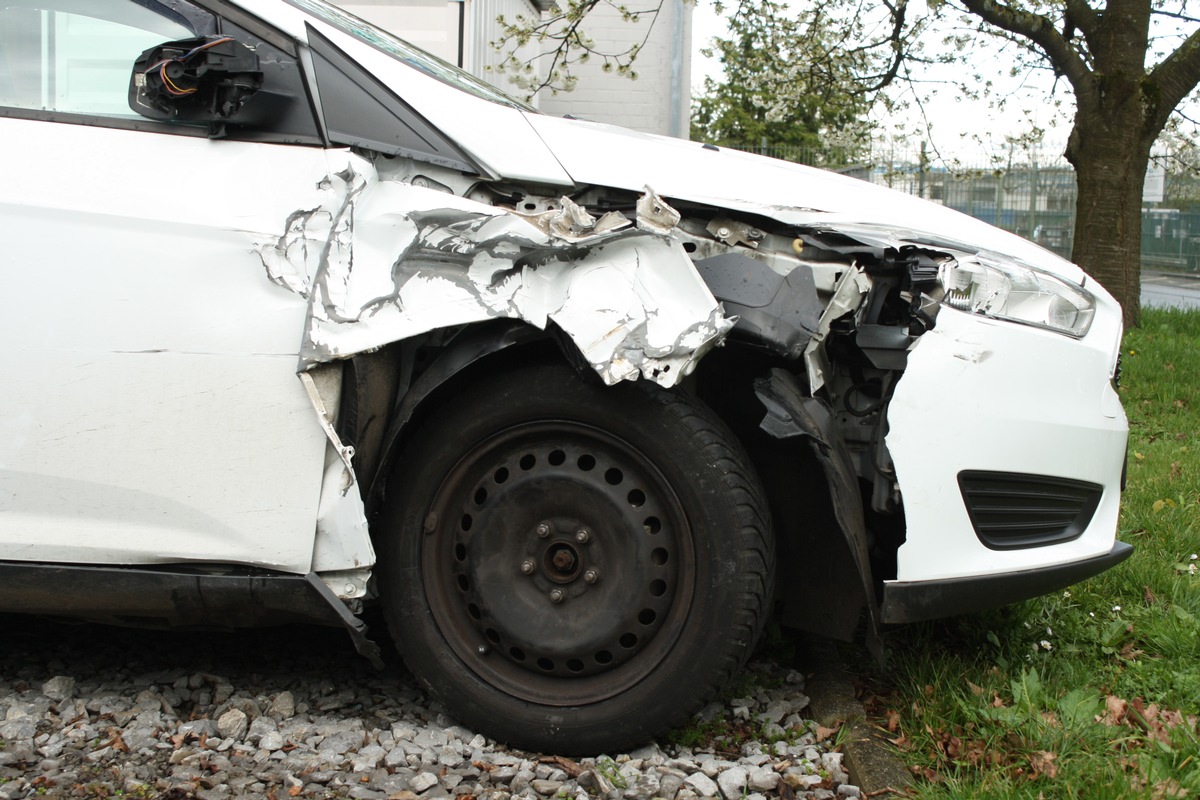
{"type": "Point", "coordinates": [1154, 273]}
{"type": "Point", "coordinates": [870, 759]}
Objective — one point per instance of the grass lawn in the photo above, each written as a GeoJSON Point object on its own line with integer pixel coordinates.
{"type": "Point", "coordinates": [1092, 692]}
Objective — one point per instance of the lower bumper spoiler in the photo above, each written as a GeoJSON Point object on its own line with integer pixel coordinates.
{"type": "Point", "coordinates": [914, 601]}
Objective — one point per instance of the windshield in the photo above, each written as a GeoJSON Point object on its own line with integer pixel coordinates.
{"type": "Point", "coordinates": [403, 51]}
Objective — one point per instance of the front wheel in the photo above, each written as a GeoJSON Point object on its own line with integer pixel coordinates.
{"type": "Point", "coordinates": [571, 567]}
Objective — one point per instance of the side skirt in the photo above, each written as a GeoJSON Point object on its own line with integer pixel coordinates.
{"type": "Point", "coordinates": [177, 596]}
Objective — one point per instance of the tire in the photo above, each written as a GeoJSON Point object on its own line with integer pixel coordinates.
{"type": "Point", "coordinates": [570, 567]}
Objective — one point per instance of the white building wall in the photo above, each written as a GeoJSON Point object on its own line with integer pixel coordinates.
{"type": "Point", "coordinates": [482, 29]}
{"type": "Point", "coordinates": [431, 25]}
{"type": "Point", "coordinates": [659, 101]}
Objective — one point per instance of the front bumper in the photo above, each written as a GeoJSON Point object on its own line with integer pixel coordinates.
{"type": "Point", "coordinates": [919, 600]}
{"type": "Point", "coordinates": [983, 397]}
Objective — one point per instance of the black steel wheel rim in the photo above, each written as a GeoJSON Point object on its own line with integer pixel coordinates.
{"type": "Point", "coordinates": [557, 562]}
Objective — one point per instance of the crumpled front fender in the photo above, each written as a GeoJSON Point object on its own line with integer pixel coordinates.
{"type": "Point", "coordinates": [382, 261]}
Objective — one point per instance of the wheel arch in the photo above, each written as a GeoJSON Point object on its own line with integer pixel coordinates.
{"type": "Point", "coordinates": [822, 532]}
{"type": "Point", "coordinates": [387, 392]}
{"type": "Point", "coordinates": [820, 527]}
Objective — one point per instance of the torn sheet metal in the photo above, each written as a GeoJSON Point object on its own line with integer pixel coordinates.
{"type": "Point", "coordinates": [321, 384]}
{"type": "Point", "coordinates": [342, 549]}
{"type": "Point", "coordinates": [653, 214]}
{"type": "Point", "coordinates": [571, 221]}
{"type": "Point", "coordinates": [847, 297]}
{"type": "Point", "coordinates": [381, 261]}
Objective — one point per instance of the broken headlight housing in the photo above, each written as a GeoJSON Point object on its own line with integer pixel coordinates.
{"type": "Point", "coordinates": [1017, 293]}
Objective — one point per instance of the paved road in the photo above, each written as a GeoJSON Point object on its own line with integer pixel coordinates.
{"type": "Point", "coordinates": [1167, 290]}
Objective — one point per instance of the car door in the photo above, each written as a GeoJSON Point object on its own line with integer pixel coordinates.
{"type": "Point", "coordinates": [152, 411]}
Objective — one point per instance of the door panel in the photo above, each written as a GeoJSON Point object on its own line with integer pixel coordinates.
{"type": "Point", "coordinates": [151, 412]}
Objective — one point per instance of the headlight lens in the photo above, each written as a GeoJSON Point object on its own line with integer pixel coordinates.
{"type": "Point", "coordinates": [1017, 293]}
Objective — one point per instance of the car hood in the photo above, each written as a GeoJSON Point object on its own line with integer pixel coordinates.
{"type": "Point", "coordinates": [607, 155]}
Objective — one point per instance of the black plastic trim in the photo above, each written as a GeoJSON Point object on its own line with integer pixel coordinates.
{"type": "Point", "coordinates": [913, 601]}
{"type": "Point", "coordinates": [150, 126]}
{"type": "Point", "coordinates": [838, 560]}
{"type": "Point", "coordinates": [1011, 511]}
{"type": "Point", "coordinates": [361, 111]}
{"type": "Point", "coordinates": [471, 345]}
{"type": "Point", "coordinates": [120, 123]}
{"type": "Point", "coordinates": [164, 596]}
{"type": "Point", "coordinates": [783, 312]}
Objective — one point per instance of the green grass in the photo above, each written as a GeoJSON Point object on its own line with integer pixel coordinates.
{"type": "Point", "coordinates": [1092, 692]}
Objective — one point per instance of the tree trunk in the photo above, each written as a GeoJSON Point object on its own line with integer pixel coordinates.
{"type": "Point", "coordinates": [1110, 149]}
{"type": "Point", "coordinates": [1108, 221]}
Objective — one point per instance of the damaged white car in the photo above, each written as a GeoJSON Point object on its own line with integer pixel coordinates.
{"type": "Point", "coordinates": [300, 318]}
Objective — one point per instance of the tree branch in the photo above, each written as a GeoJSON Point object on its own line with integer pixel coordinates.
{"type": "Point", "coordinates": [1174, 15]}
{"type": "Point", "coordinates": [1082, 16]}
{"type": "Point", "coordinates": [1175, 78]}
{"type": "Point", "coordinates": [565, 30]}
{"type": "Point", "coordinates": [1038, 29]}
{"type": "Point", "coordinates": [895, 39]}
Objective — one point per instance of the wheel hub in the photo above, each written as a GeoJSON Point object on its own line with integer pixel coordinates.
{"type": "Point", "coordinates": [561, 562]}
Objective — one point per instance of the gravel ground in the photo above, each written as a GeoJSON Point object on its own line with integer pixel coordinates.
{"type": "Point", "coordinates": [96, 712]}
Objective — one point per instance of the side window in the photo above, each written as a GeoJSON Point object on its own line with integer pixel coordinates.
{"type": "Point", "coordinates": [75, 57]}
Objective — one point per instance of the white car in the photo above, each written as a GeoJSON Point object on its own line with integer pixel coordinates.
{"type": "Point", "coordinates": [298, 317]}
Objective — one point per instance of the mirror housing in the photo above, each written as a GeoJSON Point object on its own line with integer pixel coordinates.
{"type": "Point", "coordinates": [205, 79]}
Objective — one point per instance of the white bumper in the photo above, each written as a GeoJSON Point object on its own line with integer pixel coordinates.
{"type": "Point", "coordinates": [989, 395]}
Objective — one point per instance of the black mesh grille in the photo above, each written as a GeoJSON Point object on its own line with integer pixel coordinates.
{"type": "Point", "coordinates": [1010, 510]}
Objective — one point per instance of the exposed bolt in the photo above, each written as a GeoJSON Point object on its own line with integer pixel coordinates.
{"type": "Point", "coordinates": [543, 530]}
{"type": "Point", "coordinates": [483, 649]}
{"type": "Point", "coordinates": [527, 567]}
{"type": "Point", "coordinates": [350, 588]}
{"type": "Point", "coordinates": [564, 560]}
{"type": "Point", "coordinates": [556, 595]}
{"type": "Point", "coordinates": [723, 233]}
{"type": "Point", "coordinates": [582, 536]}
{"type": "Point", "coordinates": [591, 576]}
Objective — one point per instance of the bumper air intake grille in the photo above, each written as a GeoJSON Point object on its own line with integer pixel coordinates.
{"type": "Point", "coordinates": [1010, 510]}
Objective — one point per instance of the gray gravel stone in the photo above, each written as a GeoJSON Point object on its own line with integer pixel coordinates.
{"type": "Point", "coordinates": [284, 705]}
{"type": "Point", "coordinates": [703, 785]}
{"type": "Point", "coordinates": [60, 687]}
{"type": "Point", "coordinates": [732, 782]}
{"type": "Point", "coordinates": [763, 779]}
{"type": "Point", "coordinates": [262, 716]}
{"type": "Point", "coordinates": [422, 782]}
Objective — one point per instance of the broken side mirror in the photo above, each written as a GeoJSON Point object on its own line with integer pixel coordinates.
{"type": "Point", "coordinates": [205, 79]}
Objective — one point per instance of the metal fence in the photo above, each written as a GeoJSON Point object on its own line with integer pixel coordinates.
{"type": "Point", "coordinates": [1029, 196]}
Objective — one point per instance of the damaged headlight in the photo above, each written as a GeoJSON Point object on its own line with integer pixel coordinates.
{"type": "Point", "coordinates": [1017, 293]}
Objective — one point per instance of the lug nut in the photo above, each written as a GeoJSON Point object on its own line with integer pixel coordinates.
{"type": "Point", "coordinates": [591, 576]}
{"type": "Point", "coordinates": [543, 530]}
{"type": "Point", "coordinates": [527, 567]}
{"type": "Point", "coordinates": [557, 596]}
{"type": "Point", "coordinates": [582, 536]}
